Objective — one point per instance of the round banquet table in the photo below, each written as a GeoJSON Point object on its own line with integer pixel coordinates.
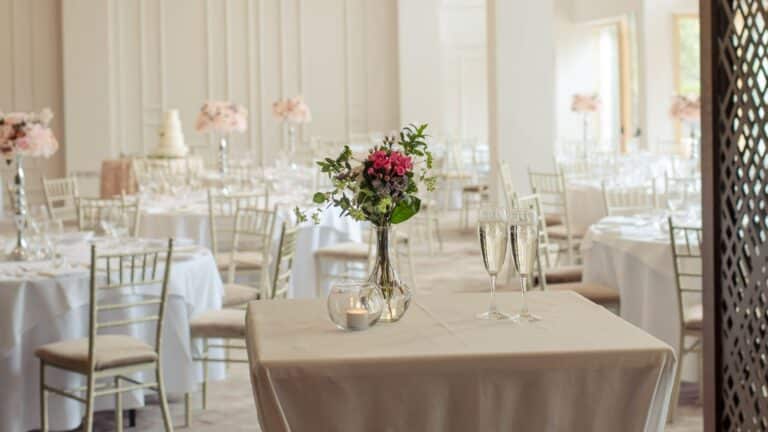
{"type": "Point", "coordinates": [634, 255]}
{"type": "Point", "coordinates": [41, 304]}
{"type": "Point", "coordinates": [188, 218]}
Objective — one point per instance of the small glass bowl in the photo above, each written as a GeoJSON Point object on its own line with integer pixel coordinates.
{"type": "Point", "coordinates": [354, 305]}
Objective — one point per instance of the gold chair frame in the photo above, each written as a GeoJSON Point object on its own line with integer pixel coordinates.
{"type": "Point", "coordinates": [142, 269]}
{"type": "Point", "coordinates": [682, 253]}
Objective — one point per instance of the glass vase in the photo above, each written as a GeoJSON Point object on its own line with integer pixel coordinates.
{"type": "Point", "coordinates": [21, 251]}
{"type": "Point", "coordinates": [396, 294]}
{"type": "Point", "coordinates": [224, 154]}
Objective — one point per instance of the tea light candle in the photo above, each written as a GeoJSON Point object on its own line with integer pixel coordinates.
{"type": "Point", "coordinates": [357, 319]}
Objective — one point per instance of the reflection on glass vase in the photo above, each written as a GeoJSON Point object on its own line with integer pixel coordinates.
{"type": "Point", "coordinates": [397, 295]}
{"type": "Point", "coordinates": [21, 251]}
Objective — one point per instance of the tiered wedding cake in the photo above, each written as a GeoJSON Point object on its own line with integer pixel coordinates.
{"type": "Point", "coordinates": [171, 137]}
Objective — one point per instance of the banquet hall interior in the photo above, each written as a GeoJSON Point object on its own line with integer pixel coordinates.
{"type": "Point", "coordinates": [383, 215]}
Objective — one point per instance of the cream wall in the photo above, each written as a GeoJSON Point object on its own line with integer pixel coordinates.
{"type": "Point", "coordinates": [127, 61]}
{"type": "Point", "coordinates": [30, 75]}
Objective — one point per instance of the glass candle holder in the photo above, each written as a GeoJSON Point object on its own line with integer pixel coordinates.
{"type": "Point", "coordinates": [354, 305]}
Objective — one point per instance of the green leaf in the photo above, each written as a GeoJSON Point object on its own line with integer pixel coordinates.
{"type": "Point", "coordinates": [318, 198]}
{"type": "Point", "coordinates": [405, 210]}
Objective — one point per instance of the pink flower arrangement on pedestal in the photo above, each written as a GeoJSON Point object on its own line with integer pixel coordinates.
{"type": "Point", "coordinates": [27, 134]}
{"type": "Point", "coordinates": [222, 117]}
{"type": "Point", "coordinates": [585, 103]}
{"type": "Point", "coordinates": [686, 108]}
{"type": "Point", "coordinates": [293, 110]}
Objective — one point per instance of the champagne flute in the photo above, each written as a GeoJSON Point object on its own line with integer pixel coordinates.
{"type": "Point", "coordinates": [524, 238]}
{"type": "Point", "coordinates": [492, 230]}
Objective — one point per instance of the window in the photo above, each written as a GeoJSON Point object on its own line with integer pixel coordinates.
{"type": "Point", "coordinates": [614, 81]}
{"type": "Point", "coordinates": [688, 70]}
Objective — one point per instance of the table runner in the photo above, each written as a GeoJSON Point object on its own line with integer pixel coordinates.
{"type": "Point", "coordinates": [440, 369]}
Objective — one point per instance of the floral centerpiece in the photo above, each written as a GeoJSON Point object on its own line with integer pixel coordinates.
{"type": "Point", "coordinates": [687, 109]}
{"type": "Point", "coordinates": [585, 104]}
{"type": "Point", "coordinates": [383, 188]}
{"type": "Point", "coordinates": [223, 118]}
{"type": "Point", "coordinates": [30, 135]}
{"type": "Point", "coordinates": [293, 111]}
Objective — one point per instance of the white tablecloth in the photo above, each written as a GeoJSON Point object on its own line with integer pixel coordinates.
{"type": "Point", "coordinates": [634, 255]}
{"type": "Point", "coordinates": [37, 308]}
{"type": "Point", "coordinates": [187, 217]}
{"type": "Point", "coordinates": [440, 369]}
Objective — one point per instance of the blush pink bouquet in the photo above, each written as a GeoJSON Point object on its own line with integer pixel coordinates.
{"type": "Point", "coordinates": [585, 103]}
{"type": "Point", "coordinates": [222, 117]}
{"type": "Point", "coordinates": [293, 110]}
{"type": "Point", "coordinates": [686, 108]}
{"type": "Point", "coordinates": [27, 134]}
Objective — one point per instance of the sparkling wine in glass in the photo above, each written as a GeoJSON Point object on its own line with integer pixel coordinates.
{"type": "Point", "coordinates": [493, 233]}
{"type": "Point", "coordinates": [524, 239]}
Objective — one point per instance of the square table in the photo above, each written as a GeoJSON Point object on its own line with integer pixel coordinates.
{"type": "Point", "coordinates": [439, 369]}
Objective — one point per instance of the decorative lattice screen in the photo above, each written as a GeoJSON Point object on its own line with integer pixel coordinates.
{"type": "Point", "coordinates": [741, 142]}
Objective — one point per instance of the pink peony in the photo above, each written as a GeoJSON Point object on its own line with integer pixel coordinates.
{"type": "Point", "coordinates": [38, 141]}
{"type": "Point", "coordinates": [222, 117]}
{"type": "Point", "coordinates": [585, 103]}
{"type": "Point", "coordinates": [293, 110]}
{"type": "Point", "coordinates": [686, 108]}
{"type": "Point", "coordinates": [27, 134]}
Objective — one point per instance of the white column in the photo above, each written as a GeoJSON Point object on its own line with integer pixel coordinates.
{"type": "Point", "coordinates": [521, 85]}
{"type": "Point", "coordinates": [420, 63]}
{"type": "Point", "coordinates": [87, 83]}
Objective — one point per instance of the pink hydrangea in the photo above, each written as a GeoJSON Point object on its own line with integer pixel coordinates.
{"type": "Point", "coordinates": [222, 117]}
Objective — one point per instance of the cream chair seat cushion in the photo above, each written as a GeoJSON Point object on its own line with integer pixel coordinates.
{"type": "Point", "coordinates": [694, 318]}
{"type": "Point", "coordinates": [110, 351]}
{"type": "Point", "coordinates": [238, 295]}
{"type": "Point", "coordinates": [245, 260]}
{"type": "Point", "coordinates": [345, 251]}
{"type": "Point", "coordinates": [595, 292]}
{"type": "Point", "coordinates": [224, 323]}
{"type": "Point", "coordinates": [559, 232]}
{"type": "Point", "coordinates": [474, 188]}
{"type": "Point", "coordinates": [552, 219]}
{"type": "Point", "coordinates": [564, 274]}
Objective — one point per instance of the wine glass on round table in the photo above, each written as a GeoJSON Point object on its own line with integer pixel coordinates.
{"type": "Point", "coordinates": [493, 234]}
{"type": "Point", "coordinates": [524, 239]}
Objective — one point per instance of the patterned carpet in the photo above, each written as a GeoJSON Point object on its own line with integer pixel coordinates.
{"type": "Point", "coordinates": [231, 407]}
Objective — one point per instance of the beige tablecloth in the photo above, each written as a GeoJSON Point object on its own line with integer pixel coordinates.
{"type": "Point", "coordinates": [439, 369]}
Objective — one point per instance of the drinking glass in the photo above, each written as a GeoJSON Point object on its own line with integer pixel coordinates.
{"type": "Point", "coordinates": [55, 234]}
{"type": "Point", "coordinates": [120, 224]}
{"type": "Point", "coordinates": [106, 221]}
{"type": "Point", "coordinates": [493, 234]}
{"type": "Point", "coordinates": [524, 238]}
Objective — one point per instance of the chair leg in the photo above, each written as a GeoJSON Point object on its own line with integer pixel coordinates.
{"type": "Point", "coordinates": [318, 277]}
{"type": "Point", "coordinates": [163, 400]}
{"type": "Point", "coordinates": [205, 374]}
{"type": "Point", "coordinates": [88, 422]}
{"type": "Point", "coordinates": [701, 374]}
{"type": "Point", "coordinates": [429, 233]}
{"type": "Point", "coordinates": [676, 386]}
{"type": "Point", "coordinates": [437, 233]}
{"type": "Point", "coordinates": [118, 406]}
{"type": "Point", "coordinates": [43, 400]}
{"type": "Point", "coordinates": [187, 409]}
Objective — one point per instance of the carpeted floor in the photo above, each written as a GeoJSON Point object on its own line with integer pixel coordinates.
{"type": "Point", "coordinates": [231, 407]}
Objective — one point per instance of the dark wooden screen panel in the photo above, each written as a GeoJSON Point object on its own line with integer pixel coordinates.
{"type": "Point", "coordinates": [735, 166]}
